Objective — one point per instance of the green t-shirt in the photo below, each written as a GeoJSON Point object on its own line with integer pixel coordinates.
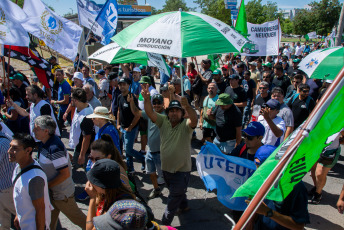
{"type": "Point", "coordinates": [175, 145]}
{"type": "Point", "coordinates": [210, 104]}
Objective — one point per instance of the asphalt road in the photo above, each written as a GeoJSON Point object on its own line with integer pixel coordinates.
{"type": "Point", "coordinates": [207, 212]}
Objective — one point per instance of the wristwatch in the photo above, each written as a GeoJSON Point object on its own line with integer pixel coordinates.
{"type": "Point", "coordinates": [269, 213]}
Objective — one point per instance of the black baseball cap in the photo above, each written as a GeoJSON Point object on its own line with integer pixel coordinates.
{"type": "Point", "coordinates": [124, 80]}
{"type": "Point", "coordinates": [105, 173]}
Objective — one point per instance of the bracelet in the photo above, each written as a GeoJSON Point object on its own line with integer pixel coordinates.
{"type": "Point", "coordinates": [90, 221]}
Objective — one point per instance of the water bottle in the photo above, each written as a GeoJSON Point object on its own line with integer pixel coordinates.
{"type": "Point", "coordinates": [255, 112]}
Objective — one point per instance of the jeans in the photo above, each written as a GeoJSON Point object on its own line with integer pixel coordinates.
{"type": "Point", "coordinates": [128, 145]}
{"type": "Point", "coordinates": [153, 163]}
{"type": "Point", "coordinates": [246, 113]}
{"type": "Point", "coordinates": [226, 147]}
{"type": "Point", "coordinates": [177, 184]}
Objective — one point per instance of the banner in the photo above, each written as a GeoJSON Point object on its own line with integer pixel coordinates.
{"type": "Point", "coordinates": [224, 173]}
{"type": "Point", "coordinates": [323, 129]}
{"type": "Point", "coordinates": [158, 61]}
{"type": "Point", "coordinates": [265, 36]}
{"type": "Point", "coordinates": [11, 30]}
{"type": "Point", "coordinates": [107, 19]}
{"type": "Point", "coordinates": [87, 12]}
{"type": "Point", "coordinates": [57, 32]}
{"type": "Point", "coordinates": [311, 35]}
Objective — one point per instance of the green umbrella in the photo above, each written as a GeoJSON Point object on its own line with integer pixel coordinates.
{"type": "Point", "coordinates": [323, 63]}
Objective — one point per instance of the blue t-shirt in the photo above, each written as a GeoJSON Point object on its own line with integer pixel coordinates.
{"type": "Point", "coordinates": [1, 98]}
{"type": "Point", "coordinates": [108, 128]}
{"type": "Point", "coordinates": [64, 89]}
{"type": "Point", "coordinates": [187, 84]}
{"type": "Point", "coordinates": [135, 88]}
{"type": "Point", "coordinates": [163, 77]}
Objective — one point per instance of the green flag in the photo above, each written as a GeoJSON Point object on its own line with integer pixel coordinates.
{"type": "Point", "coordinates": [214, 61]}
{"type": "Point", "coordinates": [311, 35]}
{"type": "Point", "coordinates": [241, 22]}
{"type": "Point", "coordinates": [324, 127]}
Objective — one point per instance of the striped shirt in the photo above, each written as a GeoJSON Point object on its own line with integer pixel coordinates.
{"type": "Point", "coordinates": [6, 167]}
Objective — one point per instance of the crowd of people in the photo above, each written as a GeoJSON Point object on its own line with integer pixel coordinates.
{"type": "Point", "coordinates": [247, 108]}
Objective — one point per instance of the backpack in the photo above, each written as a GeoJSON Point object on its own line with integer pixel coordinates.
{"type": "Point", "coordinates": [308, 100]}
{"type": "Point", "coordinates": [197, 86]}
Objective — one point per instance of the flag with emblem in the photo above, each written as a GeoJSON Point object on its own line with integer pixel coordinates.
{"type": "Point", "coordinates": [57, 32]}
{"type": "Point", "coordinates": [107, 19]}
{"type": "Point", "coordinates": [11, 30]}
{"type": "Point", "coordinates": [38, 65]}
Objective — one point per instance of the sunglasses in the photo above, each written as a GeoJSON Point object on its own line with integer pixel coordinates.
{"type": "Point", "coordinates": [263, 87]}
{"type": "Point", "coordinates": [157, 102]}
{"type": "Point", "coordinates": [93, 159]}
{"type": "Point", "coordinates": [250, 138]}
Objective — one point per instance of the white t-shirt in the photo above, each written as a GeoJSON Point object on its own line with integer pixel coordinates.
{"type": "Point", "coordinates": [269, 137]}
{"type": "Point", "coordinates": [298, 50]}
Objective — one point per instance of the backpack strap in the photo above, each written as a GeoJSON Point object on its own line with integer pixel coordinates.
{"type": "Point", "coordinates": [294, 97]}
{"type": "Point", "coordinates": [24, 171]}
{"type": "Point", "coordinates": [243, 148]}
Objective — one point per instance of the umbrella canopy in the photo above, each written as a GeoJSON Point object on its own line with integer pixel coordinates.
{"type": "Point", "coordinates": [113, 53]}
{"type": "Point", "coordinates": [323, 63]}
{"type": "Point", "coordinates": [181, 34]}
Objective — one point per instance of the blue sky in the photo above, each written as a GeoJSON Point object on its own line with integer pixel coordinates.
{"type": "Point", "coordinates": [67, 6]}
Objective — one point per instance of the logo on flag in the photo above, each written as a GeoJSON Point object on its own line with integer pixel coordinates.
{"type": "Point", "coordinates": [312, 63]}
{"type": "Point", "coordinates": [50, 24]}
{"type": "Point", "coordinates": [2, 22]}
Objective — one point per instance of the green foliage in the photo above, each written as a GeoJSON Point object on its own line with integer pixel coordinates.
{"type": "Point", "coordinates": [215, 9]}
{"type": "Point", "coordinates": [19, 3]}
{"type": "Point", "coordinates": [257, 13]}
{"type": "Point", "coordinates": [303, 22]}
{"type": "Point", "coordinates": [174, 5]}
{"type": "Point", "coordinates": [287, 26]}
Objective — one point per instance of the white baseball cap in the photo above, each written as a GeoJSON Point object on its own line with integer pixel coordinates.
{"type": "Point", "coordinates": [137, 69]}
{"type": "Point", "coordinates": [78, 75]}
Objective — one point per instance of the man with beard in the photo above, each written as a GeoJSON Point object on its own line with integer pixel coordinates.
{"type": "Point", "coordinates": [175, 150]}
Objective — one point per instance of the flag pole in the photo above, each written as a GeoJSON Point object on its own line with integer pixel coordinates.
{"type": "Point", "coordinates": [83, 47]}
{"type": "Point", "coordinates": [181, 76]}
{"type": "Point", "coordinates": [274, 175]}
{"type": "Point", "coordinates": [8, 72]}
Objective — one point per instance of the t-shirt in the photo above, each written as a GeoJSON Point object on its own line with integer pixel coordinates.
{"type": "Point", "coordinates": [269, 137]}
{"type": "Point", "coordinates": [192, 75]}
{"type": "Point", "coordinates": [248, 86]}
{"type": "Point", "coordinates": [300, 110]}
{"type": "Point", "coordinates": [260, 100]}
{"type": "Point", "coordinates": [244, 154]}
{"type": "Point", "coordinates": [109, 129]}
{"type": "Point", "coordinates": [255, 75]}
{"type": "Point", "coordinates": [187, 84]}
{"type": "Point", "coordinates": [221, 87]}
{"type": "Point", "coordinates": [94, 102]}
{"type": "Point", "coordinates": [298, 50]}
{"type": "Point", "coordinates": [125, 114]}
{"type": "Point", "coordinates": [64, 89]}
{"type": "Point", "coordinates": [175, 146]}
{"type": "Point", "coordinates": [87, 128]}
{"type": "Point", "coordinates": [282, 82]}
{"type": "Point", "coordinates": [135, 88]}
{"type": "Point", "coordinates": [53, 157]}
{"type": "Point", "coordinates": [104, 85]}
{"type": "Point", "coordinates": [238, 95]}
{"type": "Point", "coordinates": [287, 115]}
{"type": "Point", "coordinates": [209, 103]}
{"type": "Point", "coordinates": [226, 122]}
{"type": "Point", "coordinates": [153, 134]}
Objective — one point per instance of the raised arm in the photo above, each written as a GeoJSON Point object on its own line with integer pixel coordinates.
{"type": "Point", "coordinates": [147, 103]}
{"type": "Point", "coordinates": [192, 120]}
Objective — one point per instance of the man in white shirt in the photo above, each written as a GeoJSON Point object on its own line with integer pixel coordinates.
{"type": "Point", "coordinates": [274, 125]}
{"type": "Point", "coordinates": [298, 49]}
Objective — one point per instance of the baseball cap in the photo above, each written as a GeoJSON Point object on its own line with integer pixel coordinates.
{"type": "Point", "coordinates": [17, 76]}
{"type": "Point", "coordinates": [142, 67]}
{"type": "Point", "coordinates": [273, 104]}
{"type": "Point", "coordinates": [178, 66]}
{"type": "Point", "coordinates": [234, 76]}
{"type": "Point", "coordinates": [254, 129]}
{"type": "Point", "coordinates": [174, 104]}
{"type": "Point", "coordinates": [158, 97]}
{"type": "Point", "coordinates": [206, 61]}
{"type": "Point", "coordinates": [101, 72]}
{"type": "Point", "coordinates": [78, 75]}
{"type": "Point", "coordinates": [296, 60]}
{"type": "Point", "coordinates": [105, 173]}
{"type": "Point", "coordinates": [164, 87]}
{"type": "Point", "coordinates": [137, 69]}
{"type": "Point", "coordinates": [216, 72]}
{"type": "Point", "coordinates": [176, 81]}
{"type": "Point", "coordinates": [253, 63]}
{"type": "Point", "coordinates": [225, 67]}
{"type": "Point", "coordinates": [268, 64]}
{"type": "Point", "coordinates": [224, 99]}
{"type": "Point", "coordinates": [145, 79]}
{"type": "Point", "coordinates": [263, 153]}
{"type": "Point", "coordinates": [240, 65]}
{"type": "Point", "coordinates": [124, 80]}
{"type": "Point", "coordinates": [123, 215]}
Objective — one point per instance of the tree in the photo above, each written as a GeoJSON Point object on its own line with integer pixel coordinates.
{"type": "Point", "coordinates": [287, 27]}
{"type": "Point", "coordinates": [175, 5]}
{"type": "Point", "coordinates": [257, 13]}
{"type": "Point", "coordinates": [303, 22]}
{"type": "Point", "coordinates": [215, 9]}
{"type": "Point", "coordinates": [325, 15]}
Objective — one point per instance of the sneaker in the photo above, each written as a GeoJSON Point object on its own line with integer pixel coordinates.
{"type": "Point", "coordinates": [155, 193]}
{"type": "Point", "coordinates": [83, 196]}
{"type": "Point", "coordinates": [161, 181]}
{"type": "Point", "coordinates": [316, 198]}
{"type": "Point", "coordinates": [311, 192]}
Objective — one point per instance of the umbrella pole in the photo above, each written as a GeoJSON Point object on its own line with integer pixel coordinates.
{"type": "Point", "coordinates": [181, 77]}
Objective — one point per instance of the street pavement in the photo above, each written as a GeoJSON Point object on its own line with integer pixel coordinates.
{"type": "Point", "coordinates": [206, 212]}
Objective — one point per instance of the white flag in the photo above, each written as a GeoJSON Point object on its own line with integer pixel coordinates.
{"type": "Point", "coordinates": [11, 30]}
{"type": "Point", "coordinates": [87, 12]}
{"type": "Point", "coordinates": [57, 32]}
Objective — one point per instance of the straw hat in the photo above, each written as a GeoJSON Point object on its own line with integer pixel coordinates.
{"type": "Point", "coordinates": [70, 71]}
{"type": "Point", "coordinates": [100, 112]}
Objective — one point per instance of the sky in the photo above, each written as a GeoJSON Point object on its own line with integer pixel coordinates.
{"type": "Point", "coordinates": [68, 6]}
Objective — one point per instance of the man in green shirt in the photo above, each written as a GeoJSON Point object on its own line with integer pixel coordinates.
{"type": "Point", "coordinates": [175, 150]}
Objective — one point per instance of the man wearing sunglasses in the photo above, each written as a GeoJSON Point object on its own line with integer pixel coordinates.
{"type": "Point", "coordinates": [54, 160]}
{"type": "Point", "coordinates": [264, 94]}
{"type": "Point", "coordinates": [274, 125]}
{"type": "Point", "coordinates": [301, 105]}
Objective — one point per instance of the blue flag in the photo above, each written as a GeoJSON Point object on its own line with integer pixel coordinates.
{"type": "Point", "coordinates": [224, 173]}
{"type": "Point", "coordinates": [107, 19]}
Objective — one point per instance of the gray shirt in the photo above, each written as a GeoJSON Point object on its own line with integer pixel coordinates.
{"type": "Point", "coordinates": [94, 102]}
{"type": "Point", "coordinates": [207, 75]}
{"type": "Point", "coordinates": [287, 115]}
{"type": "Point", "coordinates": [153, 134]}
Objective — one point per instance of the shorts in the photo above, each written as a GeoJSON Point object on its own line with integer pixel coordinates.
{"type": "Point", "coordinates": [209, 132]}
{"type": "Point", "coordinates": [226, 146]}
{"type": "Point", "coordinates": [337, 154]}
{"type": "Point", "coordinates": [153, 162]}
{"type": "Point", "coordinates": [143, 125]}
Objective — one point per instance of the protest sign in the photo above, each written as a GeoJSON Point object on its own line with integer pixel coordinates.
{"type": "Point", "coordinates": [158, 61]}
{"type": "Point", "coordinates": [224, 173]}
{"type": "Point", "coordinates": [266, 36]}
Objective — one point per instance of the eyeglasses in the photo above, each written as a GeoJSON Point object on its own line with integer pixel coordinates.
{"type": "Point", "coordinates": [93, 159]}
{"type": "Point", "coordinates": [157, 102]}
{"type": "Point", "coordinates": [297, 82]}
{"type": "Point", "coordinates": [266, 77]}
